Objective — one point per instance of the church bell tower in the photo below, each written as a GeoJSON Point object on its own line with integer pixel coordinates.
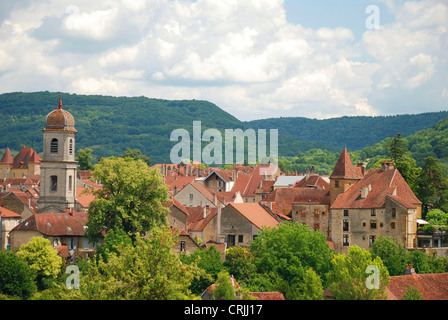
{"type": "Point", "coordinates": [58, 169]}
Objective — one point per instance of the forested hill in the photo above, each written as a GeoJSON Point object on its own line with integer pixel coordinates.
{"type": "Point", "coordinates": [109, 125]}
{"type": "Point", "coordinates": [354, 132]}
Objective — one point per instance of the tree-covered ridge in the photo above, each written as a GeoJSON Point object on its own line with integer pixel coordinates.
{"type": "Point", "coordinates": [355, 133]}
{"type": "Point", "coordinates": [110, 125]}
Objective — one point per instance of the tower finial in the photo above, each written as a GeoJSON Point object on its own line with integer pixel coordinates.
{"type": "Point", "coordinates": [60, 102]}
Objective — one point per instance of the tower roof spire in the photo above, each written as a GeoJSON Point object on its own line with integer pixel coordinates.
{"type": "Point", "coordinates": [60, 102]}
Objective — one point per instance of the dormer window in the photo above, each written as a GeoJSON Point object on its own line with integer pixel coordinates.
{"type": "Point", "coordinates": [54, 145]}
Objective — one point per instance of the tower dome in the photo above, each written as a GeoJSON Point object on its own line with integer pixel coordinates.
{"type": "Point", "coordinates": [60, 119]}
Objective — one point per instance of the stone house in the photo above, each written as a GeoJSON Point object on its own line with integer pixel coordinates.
{"type": "Point", "coordinates": [369, 204]}
{"type": "Point", "coordinates": [312, 207]}
{"type": "Point", "coordinates": [26, 162]}
{"type": "Point", "coordinates": [8, 220]}
{"type": "Point", "coordinates": [64, 230]}
{"type": "Point", "coordinates": [239, 223]}
{"type": "Point", "coordinates": [186, 243]}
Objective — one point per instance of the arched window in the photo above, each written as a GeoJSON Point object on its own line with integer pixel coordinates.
{"type": "Point", "coordinates": [70, 147]}
{"type": "Point", "coordinates": [54, 145]}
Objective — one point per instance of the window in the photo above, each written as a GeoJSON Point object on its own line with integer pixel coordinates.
{"type": "Point", "coordinates": [230, 240]}
{"type": "Point", "coordinates": [345, 240]}
{"type": "Point", "coordinates": [345, 225]}
{"type": "Point", "coordinates": [69, 183]}
{"type": "Point", "coordinates": [54, 145]}
{"type": "Point", "coordinates": [371, 240]}
{"type": "Point", "coordinates": [182, 246]}
{"type": "Point", "coordinates": [345, 213]}
{"type": "Point", "coordinates": [336, 184]}
{"type": "Point", "coordinates": [220, 184]}
{"type": "Point", "coordinates": [372, 213]}
{"type": "Point", "coordinates": [392, 225]}
{"type": "Point", "coordinates": [54, 183]}
{"type": "Point", "coordinates": [71, 243]}
{"type": "Point", "coordinates": [191, 196]}
{"type": "Point", "coordinates": [240, 238]}
{"type": "Point", "coordinates": [70, 147]}
{"type": "Point", "coordinates": [372, 224]}
{"type": "Point", "coordinates": [394, 212]}
{"type": "Point", "coordinates": [316, 226]}
{"type": "Point", "coordinates": [86, 243]}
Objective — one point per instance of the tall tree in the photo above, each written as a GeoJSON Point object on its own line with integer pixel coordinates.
{"type": "Point", "coordinates": [42, 257]}
{"type": "Point", "coordinates": [136, 154]}
{"type": "Point", "coordinates": [393, 255]}
{"type": "Point", "coordinates": [398, 146]}
{"type": "Point", "coordinates": [432, 186]}
{"type": "Point", "coordinates": [16, 277]}
{"type": "Point", "coordinates": [350, 276]}
{"type": "Point", "coordinates": [289, 251]}
{"type": "Point", "coordinates": [133, 198]}
{"type": "Point", "coordinates": [84, 158]}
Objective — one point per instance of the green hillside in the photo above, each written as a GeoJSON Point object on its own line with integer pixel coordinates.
{"type": "Point", "coordinates": [353, 132]}
{"type": "Point", "coordinates": [109, 125]}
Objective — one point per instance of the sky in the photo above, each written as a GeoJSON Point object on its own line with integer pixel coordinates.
{"type": "Point", "coordinates": [255, 59]}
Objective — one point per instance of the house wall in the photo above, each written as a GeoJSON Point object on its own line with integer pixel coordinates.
{"type": "Point", "coordinates": [316, 217]}
{"type": "Point", "coordinates": [13, 203]}
{"type": "Point", "coordinates": [198, 200]}
{"type": "Point", "coordinates": [403, 228]}
{"type": "Point", "coordinates": [7, 224]}
{"type": "Point", "coordinates": [177, 219]}
{"type": "Point", "coordinates": [234, 224]}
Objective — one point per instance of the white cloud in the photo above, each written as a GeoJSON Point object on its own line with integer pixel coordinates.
{"type": "Point", "coordinates": [242, 55]}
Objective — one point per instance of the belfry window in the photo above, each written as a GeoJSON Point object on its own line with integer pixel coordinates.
{"type": "Point", "coordinates": [54, 183]}
{"type": "Point", "coordinates": [54, 145]}
{"type": "Point", "coordinates": [70, 147]}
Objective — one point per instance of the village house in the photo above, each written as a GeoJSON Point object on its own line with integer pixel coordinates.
{"type": "Point", "coordinates": [26, 162]}
{"type": "Point", "coordinates": [367, 204]}
{"type": "Point", "coordinates": [261, 183]}
{"type": "Point", "coordinates": [8, 220]}
{"type": "Point", "coordinates": [239, 223]}
{"type": "Point", "coordinates": [431, 286]}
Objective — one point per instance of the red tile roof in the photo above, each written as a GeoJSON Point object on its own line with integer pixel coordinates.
{"type": "Point", "coordinates": [432, 286]}
{"type": "Point", "coordinates": [7, 157]}
{"type": "Point", "coordinates": [25, 156]}
{"type": "Point", "coordinates": [313, 180]}
{"type": "Point", "coordinates": [196, 220]}
{"type": "Point", "coordinates": [6, 213]}
{"type": "Point", "coordinates": [275, 295]}
{"type": "Point", "coordinates": [55, 224]}
{"type": "Point", "coordinates": [255, 213]}
{"type": "Point", "coordinates": [382, 184]}
{"type": "Point", "coordinates": [344, 168]}
{"type": "Point", "coordinates": [313, 196]}
{"type": "Point", "coordinates": [255, 178]}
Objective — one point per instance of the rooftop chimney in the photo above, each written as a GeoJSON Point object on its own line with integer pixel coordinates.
{"type": "Point", "coordinates": [409, 269]}
{"type": "Point", "coordinates": [364, 192]}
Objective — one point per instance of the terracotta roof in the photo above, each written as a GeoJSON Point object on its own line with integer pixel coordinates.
{"type": "Point", "coordinates": [177, 204]}
{"type": "Point", "coordinates": [284, 197]}
{"type": "Point", "coordinates": [255, 178]}
{"type": "Point", "coordinates": [241, 182]}
{"type": "Point", "coordinates": [25, 156]}
{"type": "Point", "coordinates": [6, 213]}
{"type": "Point", "coordinates": [313, 181]}
{"type": "Point", "coordinates": [255, 214]}
{"type": "Point", "coordinates": [63, 251]}
{"type": "Point", "coordinates": [313, 196]}
{"type": "Point", "coordinates": [7, 157]}
{"type": "Point", "coordinates": [221, 247]}
{"type": "Point", "coordinates": [60, 119]}
{"type": "Point", "coordinates": [344, 168]}
{"type": "Point", "coordinates": [55, 224]}
{"type": "Point", "coordinates": [195, 218]}
{"type": "Point", "coordinates": [178, 182]}
{"type": "Point", "coordinates": [84, 198]}
{"type": "Point", "coordinates": [275, 295]}
{"type": "Point", "coordinates": [432, 286]}
{"type": "Point", "coordinates": [382, 184]}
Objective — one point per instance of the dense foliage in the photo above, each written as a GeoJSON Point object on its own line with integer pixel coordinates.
{"type": "Point", "coordinates": [110, 125]}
